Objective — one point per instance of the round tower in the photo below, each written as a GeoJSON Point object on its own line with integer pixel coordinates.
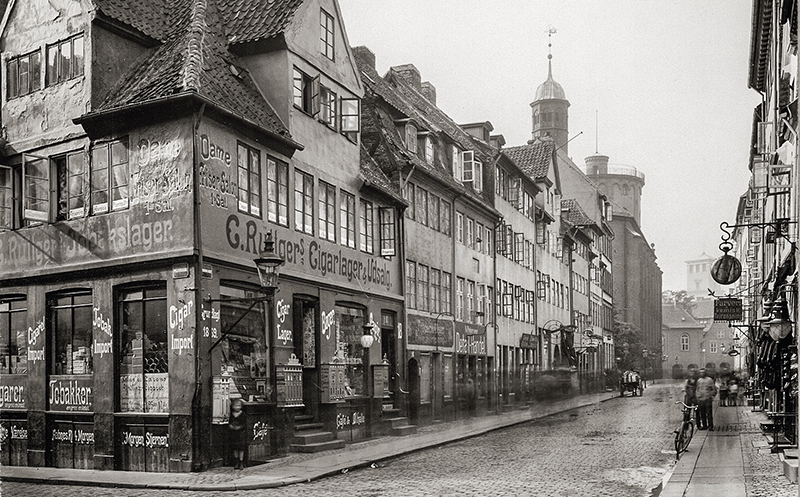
{"type": "Point", "coordinates": [622, 184]}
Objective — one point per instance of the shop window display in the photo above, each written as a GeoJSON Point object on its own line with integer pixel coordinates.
{"type": "Point", "coordinates": [143, 370]}
{"type": "Point", "coordinates": [71, 325]}
{"type": "Point", "coordinates": [349, 329]}
{"type": "Point", "coordinates": [244, 348]}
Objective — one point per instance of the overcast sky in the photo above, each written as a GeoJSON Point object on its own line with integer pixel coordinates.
{"type": "Point", "coordinates": [665, 80]}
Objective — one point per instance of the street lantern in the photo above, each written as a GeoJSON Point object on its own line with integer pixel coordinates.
{"type": "Point", "coordinates": [779, 326]}
{"type": "Point", "coordinates": [268, 264]}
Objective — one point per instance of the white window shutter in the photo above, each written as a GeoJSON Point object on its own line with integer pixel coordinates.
{"type": "Point", "coordinates": [477, 174]}
{"type": "Point", "coordinates": [36, 188]}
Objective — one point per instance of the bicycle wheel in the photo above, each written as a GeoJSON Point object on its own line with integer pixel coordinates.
{"type": "Point", "coordinates": [683, 437]}
{"type": "Point", "coordinates": [689, 432]}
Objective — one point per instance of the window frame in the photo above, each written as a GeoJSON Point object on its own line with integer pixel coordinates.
{"type": "Point", "coordinates": [350, 118]}
{"type": "Point", "coordinates": [328, 110]}
{"type": "Point", "coordinates": [15, 341]}
{"type": "Point", "coordinates": [14, 74]}
{"type": "Point", "coordinates": [366, 227]}
{"type": "Point", "coordinates": [57, 75]}
{"type": "Point", "coordinates": [277, 191]}
{"type": "Point", "coordinates": [327, 35]}
{"type": "Point", "coordinates": [326, 211]}
{"type": "Point", "coordinates": [347, 219]}
{"type": "Point", "coordinates": [305, 92]}
{"type": "Point", "coordinates": [303, 202]}
{"type": "Point", "coordinates": [77, 303]}
{"type": "Point", "coordinates": [250, 174]}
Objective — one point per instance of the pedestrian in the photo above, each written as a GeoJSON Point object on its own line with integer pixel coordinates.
{"type": "Point", "coordinates": [690, 394]}
{"type": "Point", "coordinates": [733, 393]}
{"type": "Point", "coordinates": [238, 434]}
{"type": "Point", "coordinates": [706, 391]}
{"type": "Point", "coordinates": [471, 396]}
{"type": "Point", "coordinates": [723, 392]}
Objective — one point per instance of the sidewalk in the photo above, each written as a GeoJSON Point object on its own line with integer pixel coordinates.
{"type": "Point", "coordinates": [297, 468]}
{"type": "Point", "coordinates": [734, 460]}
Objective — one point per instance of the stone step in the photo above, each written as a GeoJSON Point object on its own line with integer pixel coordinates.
{"type": "Point", "coordinates": [312, 438]}
{"type": "Point", "coordinates": [317, 447]}
{"type": "Point", "coordinates": [400, 431]}
{"type": "Point", "coordinates": [789, 468]}
{"type": "Point", "coordinates": [397, 422]}
{"type": "Point", "coordinates": [308, 426]}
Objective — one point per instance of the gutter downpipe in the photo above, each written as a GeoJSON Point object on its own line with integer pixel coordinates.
{"type": "Point", "coordinates": [199, 462]}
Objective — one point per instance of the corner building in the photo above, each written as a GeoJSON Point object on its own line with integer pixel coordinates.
{"type": "Point", "coordinates": [149, 151]}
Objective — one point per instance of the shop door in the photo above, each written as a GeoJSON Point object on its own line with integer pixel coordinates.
{"type": "Point", "coordinates": [414, 392]}
{"type": "Point", "coordinates": [388, 353]}
{"type": "Point", "coordinates": [304, 335]}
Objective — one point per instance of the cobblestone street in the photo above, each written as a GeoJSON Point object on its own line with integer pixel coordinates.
{"type": "Point", "coordinates": [618, 448]}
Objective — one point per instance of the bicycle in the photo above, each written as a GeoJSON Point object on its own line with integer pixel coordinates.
{"type": "Point", "coordinates": [683, 435]}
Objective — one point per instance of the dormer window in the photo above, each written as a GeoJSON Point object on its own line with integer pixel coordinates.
{"type": "Point", "coordinates": [326, 34]}
{"type": "Point", "coordinates": [457, 162]}
{"type": "Point", "coordinates": [411, 138]}
{"type": "Point", "coordinates": [473, 170]}
{"type": "Point", "coordinates": [428, 149]}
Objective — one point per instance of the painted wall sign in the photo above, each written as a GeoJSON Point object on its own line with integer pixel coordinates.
{"type": "Point", "coordinates": [345, 420]}
{"type": "Point", "coordinates": [148, 439]}
{"type": "Point", "coordinates": [282, 312]}
{"type": "Point", "coordinates": [73, 394]}
{"type": "Point", "coordinates": [180, 318]}
{"type": "Point", "coordinates": [36, 342]}
{"type": "Point", "coordinates": [103, 337]}
{"type": "Point", "coordinates": [423, 330]}
{"type": "Point", "coordinates": [470, 344]}
{"type": "Point", "coordinates": [260, 431]}
{"type": "Point", "coordinates": [13, 394]}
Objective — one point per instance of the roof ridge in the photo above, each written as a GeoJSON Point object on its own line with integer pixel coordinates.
{"type": "Point", "coordinates": [193, 62]}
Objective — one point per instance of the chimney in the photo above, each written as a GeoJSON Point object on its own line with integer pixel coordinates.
{"type": "Point", "coordinates": [429, 92]}
{"type": "Point", "coordinates": [596, 164]}
{"type": "Point", "coordinates": [364, 56]}
{"type": "Point", "coordinates": [409, 73]}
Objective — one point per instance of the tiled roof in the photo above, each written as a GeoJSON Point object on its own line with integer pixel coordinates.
{"type": "Point", "coordinates": [253, 20]}
{"type": "Point", "coordinates": [195, 59]}
{"type": "Point", "coordinates": [675, 317]}
{"type": "Point", "coordinates": [575, 213]}
{"type": "Point", "coordinates": [154, 18]}
{"type": "Point", "coordinates": [534, 158]}
{"type": "Point", "coordinates": [372, 173]}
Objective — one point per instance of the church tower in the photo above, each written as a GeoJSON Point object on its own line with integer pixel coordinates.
{"type": "Point", "coordinates": [550, 108]}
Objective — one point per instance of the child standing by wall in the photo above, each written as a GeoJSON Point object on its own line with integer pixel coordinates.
{"type": "Point", "coordinates": [237, 424]}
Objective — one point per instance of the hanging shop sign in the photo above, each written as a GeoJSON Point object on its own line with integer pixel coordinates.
{"type": "Point", "coordinates": [728, 309]}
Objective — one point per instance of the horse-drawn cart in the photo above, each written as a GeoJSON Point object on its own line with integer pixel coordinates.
{"type": "Point", "coordinates": [630, 382]}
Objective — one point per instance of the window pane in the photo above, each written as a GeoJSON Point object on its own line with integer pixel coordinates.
{"type": "Point", "coordinates": [13, 78]}
{"type": "Point", "coordinates": [77, 56]}
{"type": "Point", "coordinates": [66, 59]}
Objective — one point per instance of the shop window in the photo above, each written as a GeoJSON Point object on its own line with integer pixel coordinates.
{"type": "Point", "coordinates": [388, 231]}
{"type": "Point", "coordinates": [13, 335]}
{"type": "Point", "coordinates": [23, 74]}
{"type": "Point", "coordinates": [303, 202]}
{"type": "Point", "coordinates": [277, 191]}
{"type": "Point", "coordinates": [243, 351]}
{"type": "Point", "coordinates": [366, 227]}
{"type": "Point", "coordinates": [347, 219]}
{"type": "Point", "coordinates": [71, 331]}
{"type": "Point", "coordinates": [65, 60]}
{"type": "Point", "coordinates": [249, 160]}
{"type": "Point", "coordinates": [144, 350]}
{"type": "Point", "coordinates": [306, 312]}
{"type": "Point", "coordinates": [327, 211]}
{"type": "Point", "coordinates": [349, 330]}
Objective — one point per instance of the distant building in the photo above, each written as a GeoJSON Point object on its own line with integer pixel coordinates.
{"type": "Point", "coordinates": [698, 278]}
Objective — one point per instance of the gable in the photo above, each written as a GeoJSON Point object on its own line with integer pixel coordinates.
{"type": "Point", "coordinates": [303, 38]}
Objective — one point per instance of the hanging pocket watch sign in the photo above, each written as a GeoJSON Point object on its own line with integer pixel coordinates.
{"type": "Point", "coordinates": [727, 269]}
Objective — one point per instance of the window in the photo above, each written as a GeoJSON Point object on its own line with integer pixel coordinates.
{"type": "Point", "coordinates": [386, 215]}
{"type": "Point", "coordinates": [8, 206]}
{"type": "Point", "coordinates": [479, 237]}
{"type": "Point", "coordinates": [460, 299]}
{"type": "Point", "coordinates": [366, 227]}
{"type": "Point", "coordinates": [459, 227]}
{"type": "Point", "coordinates": [409, 192]}
{"type": "Point", "coordinates": [421, 214]}
{"type": "Point", "coordinates": [541, 234]}
{"type": "Point", "coordinates": [13, 335]}
{"type": "Point", "coordinates": [422, 287]}
{"type": "Point", "coordinates": [433, 211]}
{"type": "Point", "coordinates": [71, 174]}
{"type": "Point", "coordinates": [347, 219]}
{"type": "Point", "coordinates": [481, 304]}
{"type": "Point", "coordinates": [470, 232]}
{"type": "Point", "coordinates": [470, 302]}
{"type": "Point", "coordinates": [306, 94]}
{"type": "Point", "coordinates": [350, 117]}
{"type": "Point", "coordinates": [303, 202]}
{"type": "Point", "coordinates": [447, 288]}
{"type": "Point", "coordinates": [411, 285]}
{"type": "Point", "coordinates": [328, 107]}
{"type": "Point", "coordinates": [277, 191]}
{"type": "Point", "coordinates": [24, 74]}
{"type": "Point", "coordinates": [249, 160]}
{"type": "Point", "coordinates": [243, 350]}
{"type": "Point", "coordinates": [488, 240]}
{"type": "Point", "coordinates": [327, 211]}
{"type": "Point", "coordinates": [429, 149]}
{"type": "Point", "coordinates": [36, 199]}
{"type": "Point", "coordinates": [457, 163]}
{"type": "Point", "coordinates": [71, 328]}
{"type": "Point", "coordinates": [713, 347]}
{"type": "Point", "coordinates": [411, 138]}
{"type": "Point", "coordinates": [445, 217]}
{"type": "Point", "coordinates": [350, 326]}
{"type": "Point", "coordinates": [436, 289]}
{"type": "Point", "coordinates": [144, 350]}
{"type": "Point", "coordinates": [519, 247]}
{"type": "Point", "coordinates": [65, 60]}
{"type": "Point", "coordinates": [473, 170]}
{"type": "Point", "coordinates": [110, 176]}
{"type": "Point", "coordinates": [326, 34]}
